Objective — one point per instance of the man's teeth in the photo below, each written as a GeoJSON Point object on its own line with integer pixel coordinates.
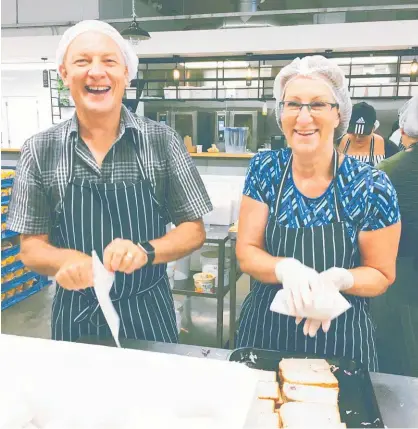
{"type": "Point", "coordinates": [97, 89]}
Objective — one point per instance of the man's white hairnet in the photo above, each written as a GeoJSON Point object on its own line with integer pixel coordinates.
{"type": "Point", "coordinates": [408, 117]}
{"type": "Point", "coordinates": [317, 67]}
{"type": "Point", "coordinates": [129, 55]}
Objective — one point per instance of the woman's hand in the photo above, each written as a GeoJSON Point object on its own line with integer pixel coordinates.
{"type": "Point", "coordinates": [338, 278]}
{"type": "Point", "coordinates": [301, 281]}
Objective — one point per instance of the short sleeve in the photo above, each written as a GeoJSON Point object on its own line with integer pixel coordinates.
{"type": "Point", "coordinates": [186, 197]}
{"type": "Point", "coordinates": [29, 211]}
{"type": "Point", "coordinates": [382, 204]}
{"type": "Point", "coordinates": [253, 180]}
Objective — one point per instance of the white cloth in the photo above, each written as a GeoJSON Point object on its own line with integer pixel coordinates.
{"type": "Point", "coordinates": [103, 281]}
{"type": "Point", "coordinates": [325, 307]}
{"type": "Point", "coordinates": [317, 67]}
{"type": "Point", "coordinates": [129, 55]}
{"type": "Point", "coordinates": [408, 117]}
{"type": "Point", "coordinates": [396, 137]}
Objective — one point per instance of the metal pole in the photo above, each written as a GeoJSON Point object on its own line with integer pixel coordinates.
{"type": "Point", "coordinates": [220, 296]}
{"type": "Point", "coordinates": [232, 295]}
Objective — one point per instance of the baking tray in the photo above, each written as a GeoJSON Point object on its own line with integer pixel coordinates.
{"type": "Point", "coordinates": [357, 400]}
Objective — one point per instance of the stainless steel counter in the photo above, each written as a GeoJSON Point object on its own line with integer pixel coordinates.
{"type": "Point", "coordinates": [396, 395]}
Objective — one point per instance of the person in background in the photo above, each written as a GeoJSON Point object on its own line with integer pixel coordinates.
{"type": "Point", "coordinates": [361, 142]}
{"type": "Point", "coordinates": [396, 136]}
{"type": "Point", "coordinates": [396, 313]}
{"type": "Point", "coordinates": [108, 181]}
{"type": "Point", "coordinates": [312, 220]}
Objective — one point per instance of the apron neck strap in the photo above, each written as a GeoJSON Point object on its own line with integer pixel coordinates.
{"type": "Point", "coordinates": [371, 155]}
{"type": "Point", "coordinates": [71, 156]}
{"type": "Point", "coordinates": [347, 144]}
{"type": "Point", "coordinates": [335, 162]}
{"type": "Point", "coordinates": [137, 141]}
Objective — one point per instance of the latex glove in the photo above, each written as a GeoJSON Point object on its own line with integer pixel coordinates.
{"type": "Point", "coordinates": [339, 278]}
{"type": "Point", "coordinates": [300, 280]}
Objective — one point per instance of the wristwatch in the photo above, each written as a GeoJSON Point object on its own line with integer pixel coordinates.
{"type": "Point", "coordinates": [149, 250]}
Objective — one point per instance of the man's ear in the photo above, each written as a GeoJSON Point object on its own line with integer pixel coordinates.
{"type": "Point", "coordinates": [63, 74]}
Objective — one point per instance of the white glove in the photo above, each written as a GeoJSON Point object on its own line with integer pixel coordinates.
{"type": "Point", "coordinates": [300, 280]}
{"type": "Point", "coordinates": [339, 278]}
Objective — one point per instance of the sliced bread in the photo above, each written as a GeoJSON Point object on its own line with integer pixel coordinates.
{"type": "Point", "coordinates": [305, 393]}
{"type": "Point", "coordinates": [314, 372]}
{"type": "Point", "coordinates": [268, 390]}
{"type": "Point", "coordinates": [264, 406]}
{"type": "Point", "coordinates": [265, 375]}
{"type": "Point", "coordinates": [309, 415]}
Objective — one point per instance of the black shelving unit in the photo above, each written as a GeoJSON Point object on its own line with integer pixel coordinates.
{"type": "Point", "coordinates": [219, 236]}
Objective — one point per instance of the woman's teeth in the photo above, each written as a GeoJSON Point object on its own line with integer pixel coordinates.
{"type": "Point", "coordinates": [305, 133]}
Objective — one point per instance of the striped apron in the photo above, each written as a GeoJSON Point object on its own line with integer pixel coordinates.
{"type": "Point", "coordinates": [370, 159]}
{"type": "Point", "coordinates": [320, 247]}
{"type": "Point", "coordinates": [91, 216]}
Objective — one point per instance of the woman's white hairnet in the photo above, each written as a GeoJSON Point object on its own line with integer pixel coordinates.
{"type": "Point", "coordinates": [408, 117]}
{"type": "Point", "coordinates": [129, 55]}
{"type": "Point", "coordinates": [317, 67]}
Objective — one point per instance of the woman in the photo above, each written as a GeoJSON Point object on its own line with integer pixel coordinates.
{"type": "Point", "coordinates": [306, 210]}
{"type": "Point", "coordinates": [361, 142]}
{"type": "Point", "coordinates": [396, 313]}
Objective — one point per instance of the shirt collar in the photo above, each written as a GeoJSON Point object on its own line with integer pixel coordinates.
{"type": "Point", "coordinates": [127, 120]}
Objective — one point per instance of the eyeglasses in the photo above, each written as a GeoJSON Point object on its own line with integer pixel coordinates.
{"type": "Point", "coordinates": [315, 108]}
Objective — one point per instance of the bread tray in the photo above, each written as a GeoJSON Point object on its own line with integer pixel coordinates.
{"type": "Point", "coordinates": [357, 401]}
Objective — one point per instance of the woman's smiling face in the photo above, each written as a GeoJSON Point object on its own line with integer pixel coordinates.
{"type": "Point", "coordinates": [309, 132]}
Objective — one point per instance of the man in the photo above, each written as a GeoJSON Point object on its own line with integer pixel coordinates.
{"type": "Point", "coordinates": [361, 142]}
{"type": "Point", "coordinates": [396, 313]}
{"type": "Point", "coordinates": [106, 180]}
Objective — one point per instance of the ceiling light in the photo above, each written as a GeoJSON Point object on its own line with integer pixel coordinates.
{"type": "Point", "coordinates": [134, 33]}
{"type": "Point", "coordinates": [248, 79]}
{"type": "Point", "coordinates": [176, 74]}
{"type": "Point", "coordinates": [45, 75]}
{"type": "Point", "coordinates": [414, 67]}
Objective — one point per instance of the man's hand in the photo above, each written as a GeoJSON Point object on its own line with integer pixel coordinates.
{"type": "Point", "coordinates": [124, 256]}
{"type": "Point", "coordinates": [76, 272]}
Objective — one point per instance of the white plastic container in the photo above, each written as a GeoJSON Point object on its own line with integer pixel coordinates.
{"type": "Point", "coordinates": [209, 261]}
{"type": "Point", "coordinates": [170, 272]}
{"type": "Point", "coordinates": [182, 268]}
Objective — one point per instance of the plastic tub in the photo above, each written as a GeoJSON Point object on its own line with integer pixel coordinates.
{"type": "Point", "coordinates": [204, 282]}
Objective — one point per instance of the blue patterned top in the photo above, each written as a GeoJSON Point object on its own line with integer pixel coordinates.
{"type": "Point", "coordinates": [367, 197]}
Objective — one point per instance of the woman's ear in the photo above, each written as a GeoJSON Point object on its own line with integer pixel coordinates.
{"type": "Point", "coordinates": [337, 120]}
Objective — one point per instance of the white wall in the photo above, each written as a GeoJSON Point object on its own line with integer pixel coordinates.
{"type": "Point", "coordinates": [307, 38]}
{"type": "Point", "coordinates": [22, 89]}
{"type": "Point", "coordinates": [42, 11]}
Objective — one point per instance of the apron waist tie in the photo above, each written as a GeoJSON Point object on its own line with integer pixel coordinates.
{"type": "Point", "coordinates": [92, 309]}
